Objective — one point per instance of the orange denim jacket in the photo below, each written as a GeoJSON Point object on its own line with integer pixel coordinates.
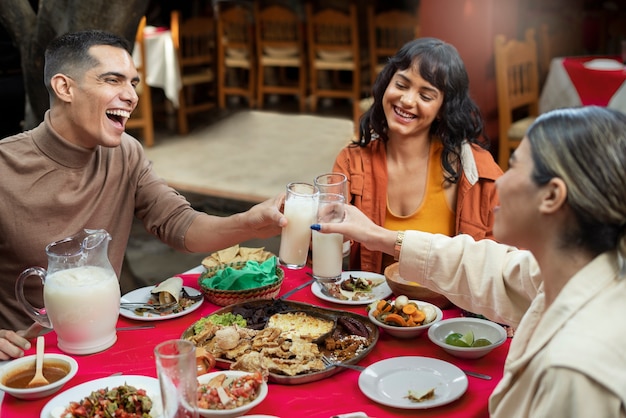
{"type": "Point", "coordinates": [366, 170]}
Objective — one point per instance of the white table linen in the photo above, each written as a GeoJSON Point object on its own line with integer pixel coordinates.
{"type": "Point", "coordinates": [559, 91]}
{"type": "Point", "coordinates": [162, 68]}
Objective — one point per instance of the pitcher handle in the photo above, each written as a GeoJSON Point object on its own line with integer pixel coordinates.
{"type": "Point", "coordinates": [37, 314]}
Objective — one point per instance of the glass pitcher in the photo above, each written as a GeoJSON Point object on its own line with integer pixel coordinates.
{"type": "Point", "coordinates": [81, 293]}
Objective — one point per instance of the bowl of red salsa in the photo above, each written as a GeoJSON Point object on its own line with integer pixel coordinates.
{"type": "Point", "coordinates": [230, 393]}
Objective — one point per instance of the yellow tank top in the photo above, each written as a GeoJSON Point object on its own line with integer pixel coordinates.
{"type": "Point", "coordinates": [433, 214]}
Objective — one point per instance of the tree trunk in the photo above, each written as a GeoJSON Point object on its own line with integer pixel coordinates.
{"type": "Point", "coordinates": [31, 31]}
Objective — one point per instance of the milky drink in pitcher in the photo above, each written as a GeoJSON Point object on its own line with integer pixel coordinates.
{"type": "Point", "coordinates": [81, 292]}
{"type": "Point", "coordinates": [82, 303]}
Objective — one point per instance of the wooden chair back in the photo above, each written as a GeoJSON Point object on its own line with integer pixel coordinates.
{"type": "Point", "coordinates": [388, 31]}
{"type": "Point", "coordinates": [334, 50]}
{"type": "Point", "coordinates": [194, 42]}
{"type": "Point", "coordinates": [281, 55]}
{"type": "Point", "coordinates": [235, 53]}
{"type": "Point", "coordinates": [517, 83]}
{"type": "Point", "coordinates": [142, 118]}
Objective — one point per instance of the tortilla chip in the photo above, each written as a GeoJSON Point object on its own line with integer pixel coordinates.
{"type": "Point", "coordinates": [235, 256]}
{"type": "Point", "coordinates": [254, 254]}
{"type": "Point", "coordinates": [227, 255]}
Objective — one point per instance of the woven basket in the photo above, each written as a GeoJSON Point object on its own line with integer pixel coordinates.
{"type": "Point", "coordinates": [222, 297]}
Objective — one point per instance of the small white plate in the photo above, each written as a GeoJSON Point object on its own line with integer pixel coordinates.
{"type": "Point", "coordinates": [381, 291]}
{"type": "Point", "coordinates": [604, 64]}
{"type": "Point", "coordinates": [54, 408]}
{"type": "Point", "coordinates": [388, 381]}
{"type": "Point", "coordinates": [143, 295]}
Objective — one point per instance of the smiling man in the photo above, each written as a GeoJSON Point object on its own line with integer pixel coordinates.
{"type": "Point", "coordinates": [79, 169]}
{"type": "Point", "coordinates": [92, 90]}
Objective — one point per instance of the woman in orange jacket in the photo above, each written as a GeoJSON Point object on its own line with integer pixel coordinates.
{"type": "Point", "coordinates": [421, 160]}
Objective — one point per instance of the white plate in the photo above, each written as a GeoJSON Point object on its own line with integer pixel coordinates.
{"type": "Point", "coordinates": [56, 405]}
{"type": "Point", "coordinates": [604, 64]}
{"type": "Point", "coordinates": [388, 382]}
{"type": "Point", "coordinates": [142, 295]}
{"type": "Point", "coordinates": [381, 291]}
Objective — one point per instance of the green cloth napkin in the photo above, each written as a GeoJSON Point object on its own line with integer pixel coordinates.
{"type": "Point", "coordinates": [250, 276]}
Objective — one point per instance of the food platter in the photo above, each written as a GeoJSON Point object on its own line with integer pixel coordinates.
{"type": "Point", "coordinates": [54, 408]}
{"type": "Point", "coordinates": [381, 291]}
{"type": "Point", "coordinates": [389, 381]}
{"type": "Point", "coordinates": [341, 331]}
{"type": "Point", "coordinates": [142, 295]}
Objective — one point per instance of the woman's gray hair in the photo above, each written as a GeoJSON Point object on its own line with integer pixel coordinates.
{"type": "Point", "coordinates": [586, 148]}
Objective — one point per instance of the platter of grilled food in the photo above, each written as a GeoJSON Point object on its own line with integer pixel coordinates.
{"type": "Point", "coordinates": [284, 339]}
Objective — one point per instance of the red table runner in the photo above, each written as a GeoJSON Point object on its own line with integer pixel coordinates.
{"type": "Point", "coordinates": [133, 354]}
{"type": "Point", "coordinates": [595, 87]}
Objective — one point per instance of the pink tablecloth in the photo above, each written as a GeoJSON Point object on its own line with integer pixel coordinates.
{"type": "Point", "coordinates": [133, 354]}
{"type": "Point", "coordinates": [595, 87]}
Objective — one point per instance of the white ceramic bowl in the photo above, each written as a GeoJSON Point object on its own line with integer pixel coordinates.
{"type": "Point", "coordinates": [24, 363]}
{"type": "Point", "coordinates": [408, 332]}
{"type": "Point", "coordinates": [482, 328]}
{"type": "Point", "coordinates": [236, 412]}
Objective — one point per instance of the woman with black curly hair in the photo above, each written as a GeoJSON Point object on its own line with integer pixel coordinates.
{"type": "Point", "coordinates": [421, 160]}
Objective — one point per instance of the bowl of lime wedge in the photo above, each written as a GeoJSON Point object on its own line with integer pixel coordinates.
{"type": "Point", "coordinates": [467, 337]}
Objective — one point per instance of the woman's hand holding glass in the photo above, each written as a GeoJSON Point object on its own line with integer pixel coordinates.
{"type": "Point", "coordinates": [358, 227]}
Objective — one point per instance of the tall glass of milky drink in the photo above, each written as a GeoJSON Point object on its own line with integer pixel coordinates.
{"type": "Point", "coordinates": [81, 293]}
{"type": "Point", "coordinates": [328, 248]}
{"type": "Point", "coordinates": [300, 210]}
{"type": "Point", "coordinates": [335, 183]}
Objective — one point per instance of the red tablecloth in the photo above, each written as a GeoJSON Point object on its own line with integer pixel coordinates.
{"type": "Point", "coordinates": [595, 87]}
{"type": "Point", "coordinates": [133, 354]}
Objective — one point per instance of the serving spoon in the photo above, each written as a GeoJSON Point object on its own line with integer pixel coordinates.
{"type": "Point", "coordinates": [38, 379]}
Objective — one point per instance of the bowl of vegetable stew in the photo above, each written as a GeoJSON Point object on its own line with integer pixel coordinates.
{"type": "Point", "coordinates": [403, 317]}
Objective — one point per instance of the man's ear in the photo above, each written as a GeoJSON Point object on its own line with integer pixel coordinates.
{"type": "Point", "coordinates": [62, 87]}
{"type": "Point", "coordinates": [554, 196]}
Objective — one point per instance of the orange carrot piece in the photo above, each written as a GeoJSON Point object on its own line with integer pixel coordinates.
{"type": "Point", "coordinates": [395, 319]}
{"type": "Point", "coordinates": [409, 309]}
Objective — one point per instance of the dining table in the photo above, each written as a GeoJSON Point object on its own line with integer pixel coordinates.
{"type": "Point", "coordinates": [583, 81]}
{"type": "Point", "coordinates": [162, 68]}
{"type": "Point", "coordinates": [133, 354]}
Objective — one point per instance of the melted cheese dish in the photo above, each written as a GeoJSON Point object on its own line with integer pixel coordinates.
{"type": "Point", "coordinates": [300, 324]}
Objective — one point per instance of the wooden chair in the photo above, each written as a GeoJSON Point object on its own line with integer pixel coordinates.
{"type": "Point", "coordinates": [517, 83]}
{"type": "Point", "coordinates": [280, 49]}
{"type": "Point", "coordinates": [194, 42]}
{"type": "Point", "coordinates": [235, 53]}
{"type": "Point", "coordinates": [388, 31]}
{"type": "Point", "coordinates": [142, 116]}
{"type": "Point", "coordinates": [334, 51]}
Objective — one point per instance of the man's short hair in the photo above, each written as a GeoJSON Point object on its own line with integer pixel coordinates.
{"type": "Point", "coordinates": [69, 53]}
